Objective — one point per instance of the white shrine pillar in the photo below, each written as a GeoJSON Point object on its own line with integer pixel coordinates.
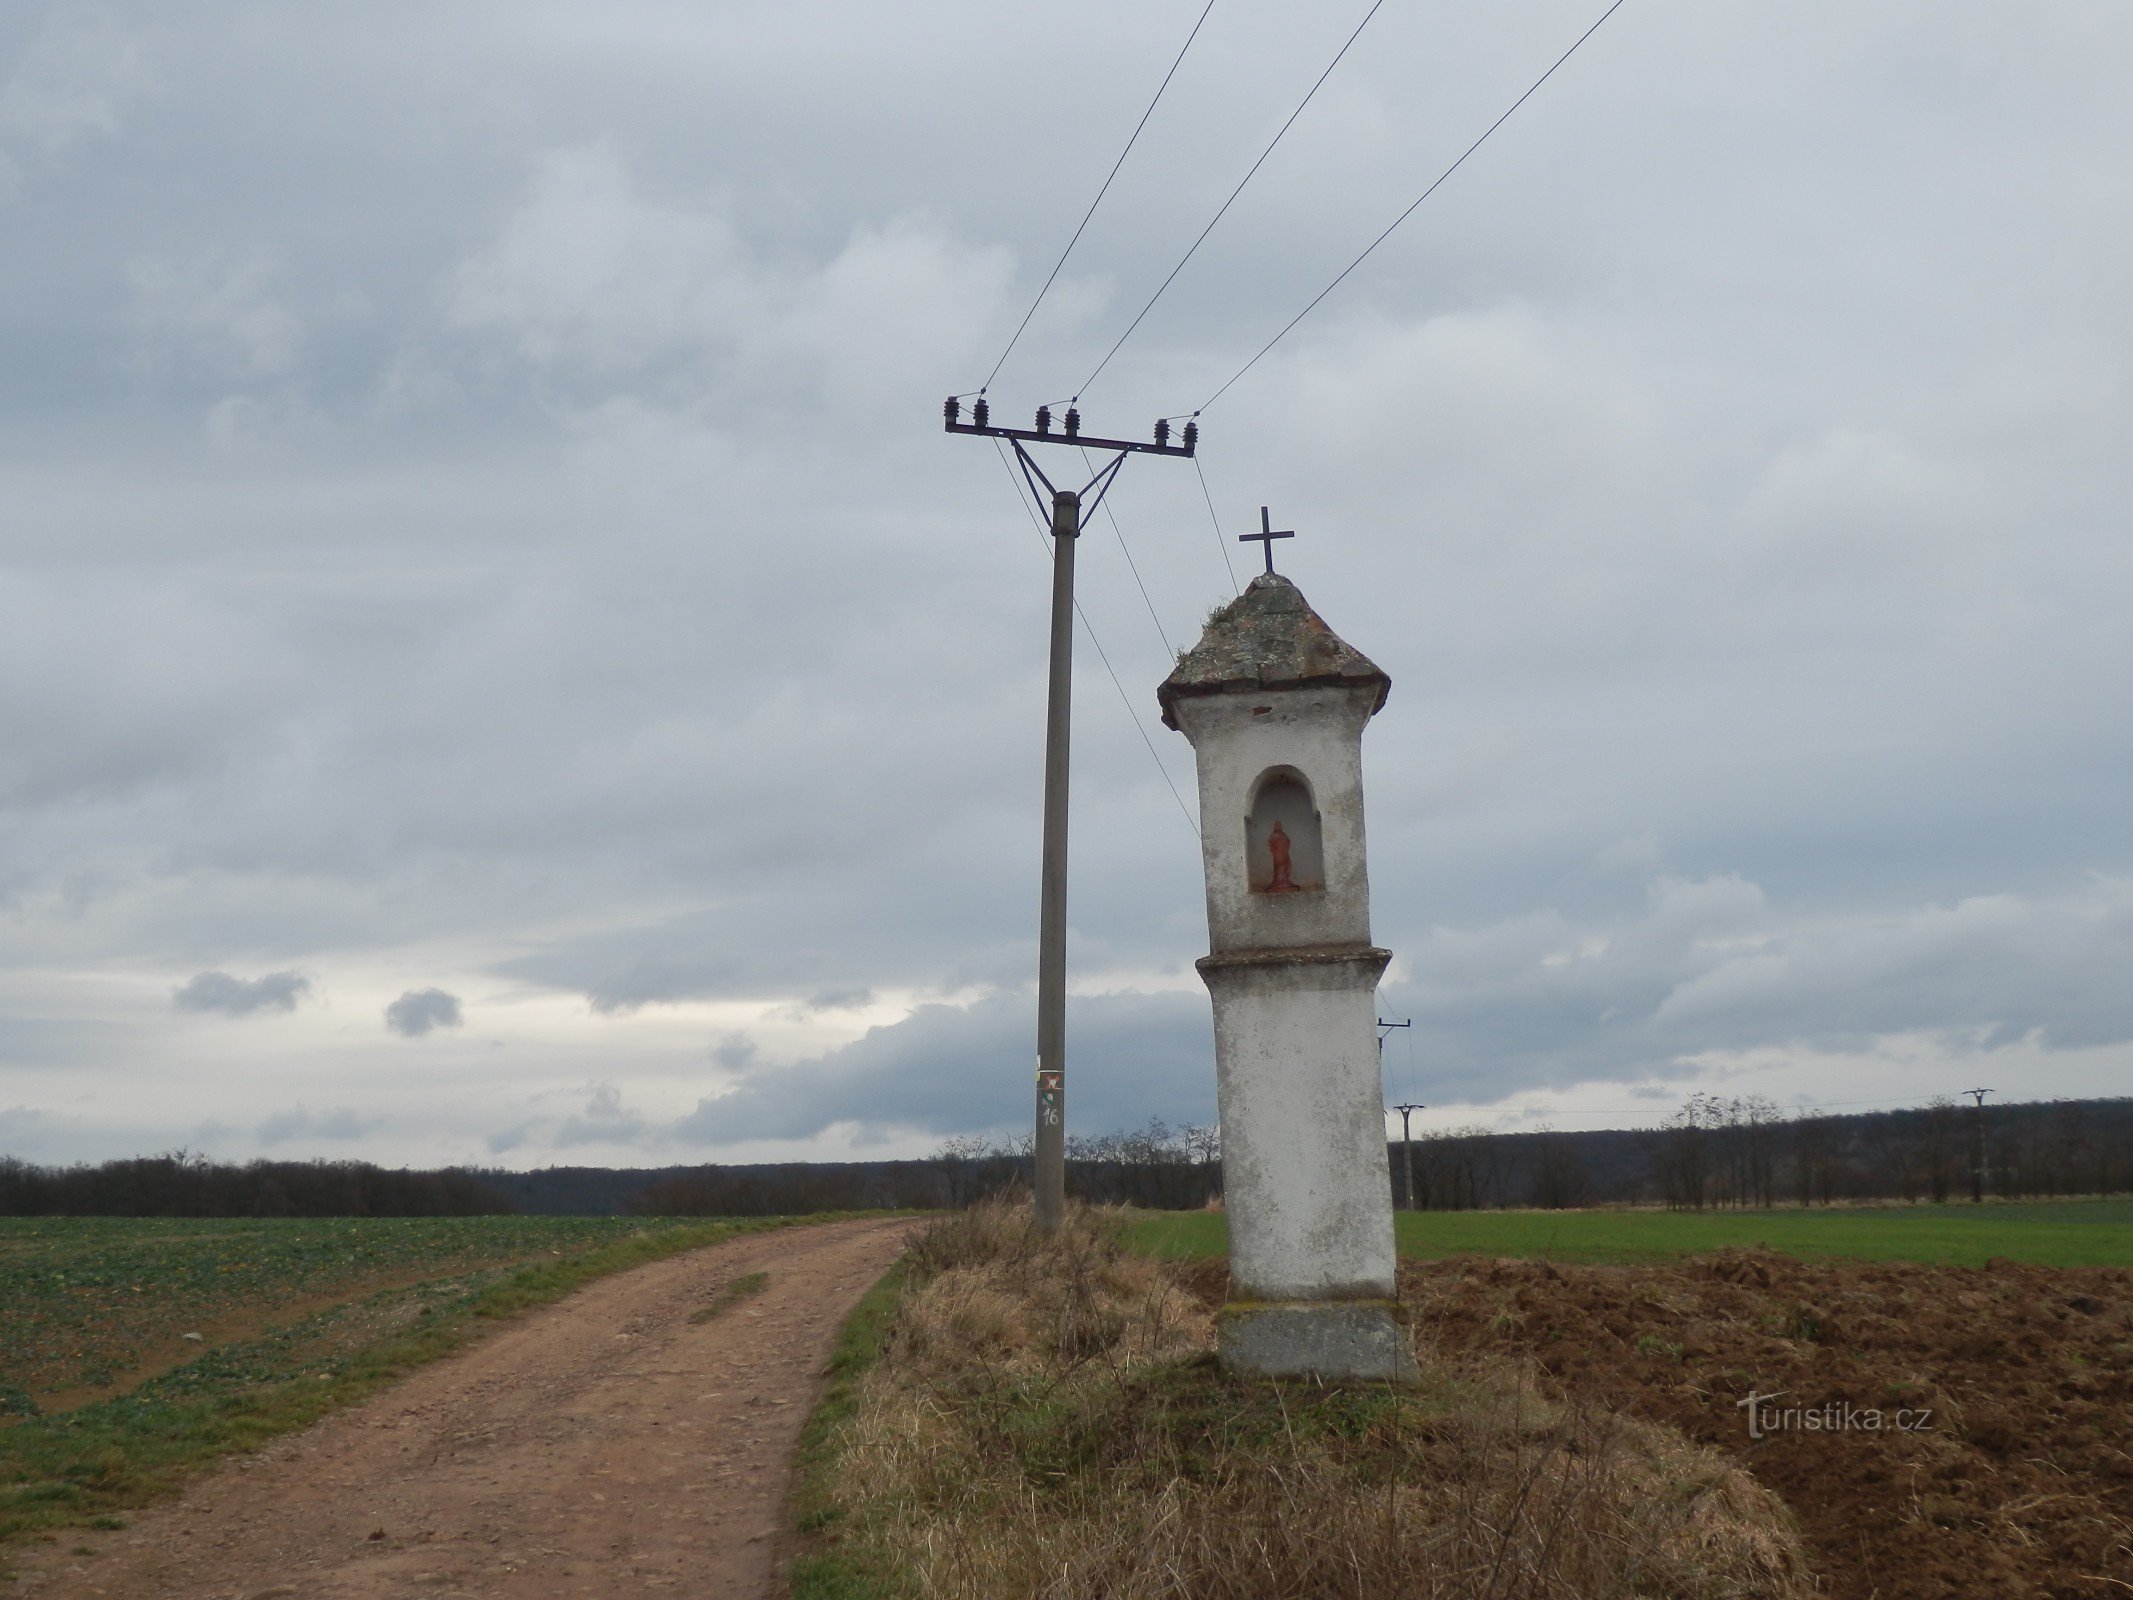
{"type": "Point", "coordinates": [1274, 703]}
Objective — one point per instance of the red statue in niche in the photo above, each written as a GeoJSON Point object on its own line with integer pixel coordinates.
{"type": "Point", "coordinates": [1277, 846]}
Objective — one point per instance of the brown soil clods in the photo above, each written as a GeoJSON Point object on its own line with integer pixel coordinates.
{"type": "Point", "coordinates": [1938, 1431]}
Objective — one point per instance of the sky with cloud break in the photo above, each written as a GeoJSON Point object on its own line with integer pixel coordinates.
{"type": "Point", "coordinates": [499, 662]}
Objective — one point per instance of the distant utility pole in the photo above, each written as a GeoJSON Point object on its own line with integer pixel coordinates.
{"type": "Point", "coordinates": [1407, 1149]}
{"type": "Point", "coordinates": [1977, 1145]}
{"type": "Point", "coordinates": [1407, 1141]}
{"type": "Point", "coordinates": [1049, 1180]}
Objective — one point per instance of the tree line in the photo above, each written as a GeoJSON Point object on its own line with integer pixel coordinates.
{"type": "Point", "coordinates": [183, 1183]}
{"type": "Point", "coordinates": [1156, 1166]}
{"type": "Point", "coordinates": [1713, 1151]}
{"type": "Point", "coordinates": [1746, 1151]}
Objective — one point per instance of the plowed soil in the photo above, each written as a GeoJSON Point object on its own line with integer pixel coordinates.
{"type": "Point", "coordinates": [1974, 1424]}
{"type": "Point", "coordinates": [615, 1444]}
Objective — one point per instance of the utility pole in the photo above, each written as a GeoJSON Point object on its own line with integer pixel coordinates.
{"type": "Point", "coordinates": [1407, 1149]}
{"type": "Point", "coordinates": [1048, 1193]}
{"type": "Point", "coordinates": [1977, 1145]}
{"type": "Point", "coordinates": [1407, 1141]}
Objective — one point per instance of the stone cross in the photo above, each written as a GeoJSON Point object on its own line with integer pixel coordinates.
{"type": "Point", "coordinates": [1275, 704]}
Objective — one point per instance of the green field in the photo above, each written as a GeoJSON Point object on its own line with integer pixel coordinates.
{"type": "Point", "coordinates": [87, 1304]}
{"type": "Point", "coordinates": [111, 1406]}
{"type": "Point", "coordinates": [2057, 1233]}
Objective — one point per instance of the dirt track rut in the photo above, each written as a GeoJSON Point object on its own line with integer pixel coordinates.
{"type": "Point", "coordinates": [605, 1446]}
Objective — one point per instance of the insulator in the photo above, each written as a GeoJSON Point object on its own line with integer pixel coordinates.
{"type": "Point", "coordinates": [979, 412]}
{"type": "Point", "coordinates": [1073, 422]}
{"type": "Point", "coordinates": [952, 410]}
{"type": "Point", "coordinates": [1044, 419]}
{"type": "Point", "coordinates": [1192, 436]}
{"type": "Point", "coordinates": [1162, 432]}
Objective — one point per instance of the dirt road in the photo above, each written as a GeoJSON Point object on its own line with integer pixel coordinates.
{"type": "Point", "coordinates": [606, 1446]}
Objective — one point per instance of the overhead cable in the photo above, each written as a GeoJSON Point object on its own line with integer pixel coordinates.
{"type": "Point", "coordinates": [1403, 216]}
{"type": "Point", "coordinates": [1221, 543]}
{"type": "Point", "coordinates": [1043, 533]}
{"type": "Point", "coordinates": [1133, 567]}
{"type": "Point", "coordinates": [1241, 182]}
{"type": "Point", "coordinates": [1100, 193]}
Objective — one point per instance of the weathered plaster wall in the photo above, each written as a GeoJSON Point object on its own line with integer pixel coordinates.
{"type": "Point", "coordinates": [1303, 1135]}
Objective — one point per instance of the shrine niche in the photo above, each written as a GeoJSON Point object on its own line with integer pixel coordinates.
{"type": "Point", "coordinates": [1284, 848]}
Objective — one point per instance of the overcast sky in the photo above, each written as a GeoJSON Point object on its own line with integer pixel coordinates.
{"type": "Point", "coordinates": [498, 661]}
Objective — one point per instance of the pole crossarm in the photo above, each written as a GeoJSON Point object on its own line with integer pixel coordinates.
{"type": "Point", "coordinates": [980, 425]}
{"type": "Point", "coordinates": [1032, 436]}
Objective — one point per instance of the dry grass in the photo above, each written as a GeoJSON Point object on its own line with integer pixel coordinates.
{"type": "Point", "coordinates": [1047, 1420]}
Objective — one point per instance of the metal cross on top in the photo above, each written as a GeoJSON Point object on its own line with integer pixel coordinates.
{"type": "Point", "coordinates": [1266, 536]}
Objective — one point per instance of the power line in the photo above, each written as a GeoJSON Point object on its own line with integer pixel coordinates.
{"type": "Point", "coordinates": [1089, 628]}
{"type": "Point", "coordinates": [1100, 193]}
{"type": "Point", "coordinates": [1403, 216]}
{"type": "Point", "coordinates": [1221, 543]}
{"type": "Point", "coordinates": [1241, 182]}
{"type": "Point", "coordinates": [1133, 567]}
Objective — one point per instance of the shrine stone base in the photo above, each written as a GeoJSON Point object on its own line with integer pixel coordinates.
{"type": "Point", "coordinates": [1326, 1339]}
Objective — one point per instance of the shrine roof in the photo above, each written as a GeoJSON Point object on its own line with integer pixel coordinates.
{"type": "Point", "coordinates": [1267, 638]}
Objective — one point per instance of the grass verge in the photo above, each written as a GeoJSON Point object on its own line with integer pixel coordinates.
{"type": "Point", "coordinates": [83, 1468]}
{"type": "Point", "coordinates": [1045, 1418]}
{"type": "Point", "coordinates": [831, 1565]}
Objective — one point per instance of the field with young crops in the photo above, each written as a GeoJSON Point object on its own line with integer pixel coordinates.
{"type": "Point", "coordinates": [91, 1305]}
{"type": "Point", "coordinates": [2054, 1233]}
{"type": "Point", "coordinates": [134, 1352]}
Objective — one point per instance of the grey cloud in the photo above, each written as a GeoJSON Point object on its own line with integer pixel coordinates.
{"type": "Point", "coordinates": [1700, 967]}
{"type": "Point", "coordinates": [955, 1069]}
{"type": "Point", "coordinates": [735, 1051]}
{"type": "Point", "coordinates": [419, 1010]}
{"type": "Point", "coordinates": [75, 81]}
{"type": "Point", "coordinates": [337, 1123]}
{"type": "Point", "coordinates": [21, 1128]}
{"type": "Point", "coordinates": [226, 317]}
{"type": "Point", "coordinates": [597, 280]}
{"type": "Point", "coordinates": [640, 633]}
{"type": "Point", "coordinates": [846, 999]}
{"type": "Point", "coordinates": [605, 1120]}
{"type": "Point", "coordinates": [505, 1140]}
{"type": "Point", "coordinates": [241, 997]}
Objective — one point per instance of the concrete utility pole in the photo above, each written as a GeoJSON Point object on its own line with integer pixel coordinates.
{"type": "Point", "coordinates": [1407, 1149]}
{"type": "Point", "coordinates": [1977, 1145]}
{"type": "Point", "coordinates": [1049, 1180]}
{"type": "Point", "coordinates": [1407, 1142]}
